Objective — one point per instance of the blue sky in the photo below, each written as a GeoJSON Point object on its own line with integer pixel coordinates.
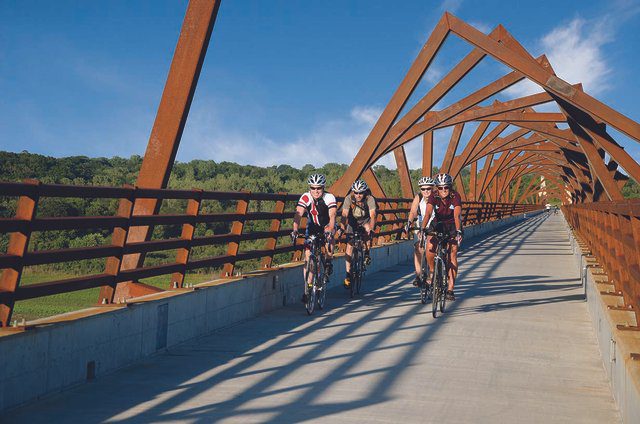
{"type": "Point", "coordinates": [284, 81]}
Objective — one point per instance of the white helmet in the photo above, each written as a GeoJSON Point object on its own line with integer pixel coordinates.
{"type": "Point", "coordinates": [443, 180]}
{"type": "Point", "coordinates": [426, 181]}
{"type": "Point", "coordinates": [317, 180]}
{"type": "Point", "coordinates": [359, 186]}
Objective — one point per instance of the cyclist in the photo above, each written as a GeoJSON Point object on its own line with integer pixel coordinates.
{"type": "Point", "coordinates": [358, 214]}
{"type": "Point", "coordinates": [419, 209]}
{"type": "Point", "coordinates": [447, 206]}
{"type": "Point", "coordinates": [320, 208]}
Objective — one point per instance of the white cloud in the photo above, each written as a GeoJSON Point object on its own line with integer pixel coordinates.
{"type": "Point", "coordinates": [207, 136]}
{"type": "Point", "coordinates": [450, 5]}
{"type": "Point", "coordinates": [575, 51]}
{"type": "Point", "coordinates": [481, 26]}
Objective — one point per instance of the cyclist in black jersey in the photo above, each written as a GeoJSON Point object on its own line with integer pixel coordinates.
{"type": "Point", "coordinates": [358, 214]}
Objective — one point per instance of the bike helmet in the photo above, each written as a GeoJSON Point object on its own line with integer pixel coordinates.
{"type": "Point", "coordinates": [426, 181]}
{"type": "Point", "coordinates": [443, 180]}
{"type": "Point", "coordinates": [317, 180]}
{"type": "Point", "coordinates": [359, 186]}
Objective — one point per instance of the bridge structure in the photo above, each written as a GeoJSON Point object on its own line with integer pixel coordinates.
{"type": "Point", "coordinates": [518, 160]}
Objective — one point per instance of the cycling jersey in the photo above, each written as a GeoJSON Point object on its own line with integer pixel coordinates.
{"type": "Point", "coordinates": [317, 210]}
{"type": "Point", "coordinates": [443, 207]}
{"type": "Point", "coordinates": [422, 210]}
{"type": "Point", "coordinates": [359, 212]}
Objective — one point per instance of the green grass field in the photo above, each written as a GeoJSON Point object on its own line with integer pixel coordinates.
{"type": "Point", "coordinates": [67, 302]}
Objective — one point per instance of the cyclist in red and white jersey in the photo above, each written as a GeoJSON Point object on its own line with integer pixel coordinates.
{"type": "Point", "coordinates": [447, 206]}
{"type": "Point", "coordinates": [320, 209]}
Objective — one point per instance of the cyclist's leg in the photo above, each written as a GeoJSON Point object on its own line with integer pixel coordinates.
{"type": "Point", "coordinates": [367, 242]}
{"type": "Point", "coordinates": [453, 264]}
{"type": "Point", "coordinates": [417, 253]}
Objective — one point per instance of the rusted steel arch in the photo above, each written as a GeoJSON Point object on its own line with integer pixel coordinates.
{"type": "Point", "coordinates": [574, 155]}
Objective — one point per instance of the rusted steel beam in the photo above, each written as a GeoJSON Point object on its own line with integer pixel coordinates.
{"type": "Point", "coordinates": [526, 117]}
{"type": "Point", "coordinates": [427, 154]}
{"type": "Point", "coordinates": [463, 159]}
{"type": "Point", "coordinates": [544, 78]}
{"type": "Point", "coordinates": [172, 112]}
{"type": "Point", "coordinates": [364, 156]}
{"type": "Point", "coordinates": [472, 182]}
{"type": "Point", "coordinates": [451, 148]}
{"type": "Point", "coordinates": [26, 209]}
{"type": "Point", "coordinates": [403, 172]}
{"type": "Point", "coordinates": [119, 239]}
{"type": "Point", "coordinates": [188, 233]}
{"type": "Point", "coordinates": [272, 242]}
{"type": "Point", "coordinates": [236, 228]}
{"type": "Point", "coordinates": [586, 144]}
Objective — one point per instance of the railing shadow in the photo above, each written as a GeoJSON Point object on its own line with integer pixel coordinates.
{"type": "Point", "coordinates": [170, 387]}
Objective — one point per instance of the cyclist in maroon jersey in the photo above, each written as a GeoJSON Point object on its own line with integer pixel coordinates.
{"type": "Point", "coordinates": [447, 205]}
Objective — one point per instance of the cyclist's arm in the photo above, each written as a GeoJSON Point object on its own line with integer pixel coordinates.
{"type": "Point", "coordinates": [297, 216]}
{"type": "Point", "coordinates": [413, 212]}
{"type": "Point", "coordinates": [427, 213]}
{"type": "Point", "coordinates": [332, 218]}
{"type": "Point", "coordinates": [457, 214]}
{"type": "Point", "coordinates": [344, 216]}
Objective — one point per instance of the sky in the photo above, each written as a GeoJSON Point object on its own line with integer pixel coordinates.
{"type": "Point", "coordinates": [283, 82]}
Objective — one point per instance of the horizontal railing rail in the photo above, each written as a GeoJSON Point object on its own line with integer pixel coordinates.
{"type": "Point", "coordinates": [611, 231]}
{"type": "Point", "coordinates": [240, 209]}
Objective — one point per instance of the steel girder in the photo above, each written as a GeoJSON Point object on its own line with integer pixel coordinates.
{"type": "Point", "coordinates": [574, 157]}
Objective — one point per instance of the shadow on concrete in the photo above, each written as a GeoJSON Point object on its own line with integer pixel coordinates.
{"type": "Point", "coordinates": [161, 388]}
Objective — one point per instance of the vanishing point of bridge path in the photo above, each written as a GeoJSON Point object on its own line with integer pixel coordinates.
{"type": "Point", "coordinates": [517, 346]}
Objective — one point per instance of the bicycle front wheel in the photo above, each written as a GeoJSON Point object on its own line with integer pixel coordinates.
{"type": "Point", "coordinates": [321, 285]}
{"type": "Point", "coordinates": [354, 272]}
{"type": "Point", "coordinates": [310, 289]}
{"type": "Point", "coordinates": [437, 292]}
{"type": "Point", "coordinates": [443, 297]}
{"type": "Point", "coordinates": [360, 268]}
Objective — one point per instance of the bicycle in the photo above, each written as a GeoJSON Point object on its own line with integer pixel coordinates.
{"type": "Point", "coordinates": [440, 272]}
{"type": "Point", "coordinates": [358, 268]}
{"type": "Point", "coordinates": [314, 290]}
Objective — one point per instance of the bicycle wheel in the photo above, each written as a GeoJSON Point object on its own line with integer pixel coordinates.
{"type": "Point", "coordinates": [437, 292]}
{"type": "Point", "coordinates": [354, 272]}
{"type": "Point", "coordinates": [360, 268]}
{"type": "Point", "coordinates": [424, 272]}
{"type": "Point", "coordinates": [443, 297]}
{"type": "Point", "coordinates": [310, 289]}
{"type": "Point", "coordinates": [321, 288]}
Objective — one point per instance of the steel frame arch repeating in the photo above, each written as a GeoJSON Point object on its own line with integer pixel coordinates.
{"type": "Point", "coordinates": [570, 162]}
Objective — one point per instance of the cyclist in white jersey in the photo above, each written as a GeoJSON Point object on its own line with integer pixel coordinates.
{"type": "Point", "coordinates": [419, 209]}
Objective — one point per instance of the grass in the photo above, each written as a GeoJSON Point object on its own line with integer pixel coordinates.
{"type": "Point", "coordinates": [67, 302]}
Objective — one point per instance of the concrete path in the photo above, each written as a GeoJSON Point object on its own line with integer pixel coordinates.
{"type": "Point", "coordinates": [517, 346]}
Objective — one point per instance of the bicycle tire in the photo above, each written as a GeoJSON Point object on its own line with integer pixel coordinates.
{"type": "Point", "coordinates": [443, 289]}
{"type": "Point", "coordinates": [424, 271]}
{"type": "Point", "coordinates": [354, 271]}
{"type": "Point", "coordinates": [436, 290]}
{"type": "Point", "coordinates": [321, 290]}
{"type": "Point", "coordinates": [360, 269]}
{"type": "Point", "coordinates": [310, 290]}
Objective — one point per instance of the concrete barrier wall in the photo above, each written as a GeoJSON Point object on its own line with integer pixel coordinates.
{"type": "Point", "coordinates": [615, 345]}
{"type": "Point", "coordinates": [68, 349]}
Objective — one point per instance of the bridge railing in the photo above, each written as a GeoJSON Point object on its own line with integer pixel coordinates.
{"type": "Point", "coordinates": [230, 225]}
{"type": "Point", "coordinates": [611, 231]}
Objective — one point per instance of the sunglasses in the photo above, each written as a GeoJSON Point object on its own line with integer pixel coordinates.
{"type": "Point", "coordinates": [360, 193]}
{"type": "Point", "coordinates": [425, 188]}
{"type": "Point", "coordinates": [316, 188]}
{"type": "Point", "coordinates": [443, 188]}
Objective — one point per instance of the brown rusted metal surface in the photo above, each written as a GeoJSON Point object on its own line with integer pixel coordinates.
{"type": "Point", "coordinates": [172, 112]}
{"type": "Point", "coordinates": [611, 232]}
{"type": "Point", "coordinates": [392, 217]}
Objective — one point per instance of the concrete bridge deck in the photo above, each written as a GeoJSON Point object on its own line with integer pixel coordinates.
{"type": "Point", "coordinates": [517, 346]}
